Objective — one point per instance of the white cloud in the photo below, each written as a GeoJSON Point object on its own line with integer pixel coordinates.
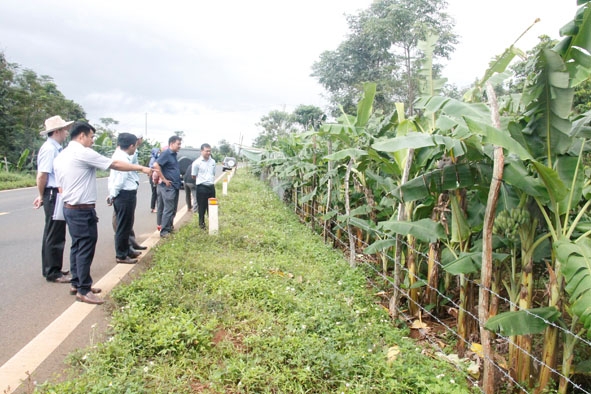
{"type": "Point", "coordinates": [486, 29]}
{"type": "Point", "coordinates": [213, 69]}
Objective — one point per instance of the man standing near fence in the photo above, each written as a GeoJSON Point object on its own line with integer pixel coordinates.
{"type": "Point", "coordinates": [203, 171]}
{"type": "Point", "coordinates": [168, 168]}
{"type": "Point", "coordinates": [54, 232]}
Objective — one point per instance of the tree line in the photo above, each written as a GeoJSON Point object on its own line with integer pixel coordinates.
{"type": "Point", "coordinates": [26, 100]}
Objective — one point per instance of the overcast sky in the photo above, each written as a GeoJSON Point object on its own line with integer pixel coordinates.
{"type": "Point", "coordinates": [213, 69]}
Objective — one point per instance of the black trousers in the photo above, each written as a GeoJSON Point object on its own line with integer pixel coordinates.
{"type": "Point", "coordinates": [124, 205]}
{"type": "Point", "coordinates": [154, 196]}
{"type": "Point", "coordinates": [204, 192]}
{"type": "Point", "coordinates": [83, 228]}
{"type": "Point", "coordinates": [54, 238]}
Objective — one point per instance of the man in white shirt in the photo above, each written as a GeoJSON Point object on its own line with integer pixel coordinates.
{"type": "Point", "coordinates": [123, 187]}
{"type": "Point", "coordinates": [203, 171]}
{"type": "Point", "coordinates": [75, 169]}
{"type": "Point", "coordinates": [54, 232]}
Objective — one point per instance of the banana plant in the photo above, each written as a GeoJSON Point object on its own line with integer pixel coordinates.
{"type": "Point", "coordinates": [551, 137]}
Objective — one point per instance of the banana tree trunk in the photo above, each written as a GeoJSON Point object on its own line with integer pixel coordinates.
{"type": "Point", "coordinates": [432, 274]}
{"type": "Point", "coordinates": [551, 334]}
{"type": "Point", "coordinates": [434, 256]}
{"type": "Point", "coordinates": [328, 194]}
{"type": "Point", "coordinates": [462, 323]}
{"type": "Point", "coordinates": [314, 185]}
{"type": "Point", "coordinates": [348, 214]}
{"type": "Point", "coordinates": [413, 293]}
{"type": "Point", "coordinates": [524, 342]}
{"type": "Point", "coordinates": [488, 381]}
{"type": "Point", "coordinates": [568, 356]}
{"type": "Point", "coordinates": [395, 300]}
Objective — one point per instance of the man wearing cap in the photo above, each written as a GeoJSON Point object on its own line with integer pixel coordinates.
{"type": "Point", "coordinates": [54, 232]}
{"type": "Point", "coordinates": [123, 187]}
{"type": "Point", "coordinates": [75, 170]}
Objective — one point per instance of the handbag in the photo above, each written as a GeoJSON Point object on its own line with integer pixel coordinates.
{"type": "Point", "coordinates": [58, 211]}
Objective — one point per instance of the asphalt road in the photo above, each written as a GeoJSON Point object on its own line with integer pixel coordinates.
{"type": "Point", "coordinates": [28, 303]}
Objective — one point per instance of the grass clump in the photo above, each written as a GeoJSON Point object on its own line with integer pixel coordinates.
{"type": "Point", "coordinates": [262, 307]}
{"type": "Point", "coordinates": [16, 180]}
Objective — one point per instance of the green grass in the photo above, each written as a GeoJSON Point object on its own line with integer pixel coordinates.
{"type": "Point", "coordinates": [263, 307]}
{"type": "Point", "coordinates": [15, 180]}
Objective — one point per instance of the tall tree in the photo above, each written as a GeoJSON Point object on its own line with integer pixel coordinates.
{"type": "Point", "coordinates": [309, 117]}
{"type": "Point", "coordinates": [275, 125]}
{"type": "Point", "coordinates": [382, 48]}
{"type": "Point", "coordinates": [226, 149]}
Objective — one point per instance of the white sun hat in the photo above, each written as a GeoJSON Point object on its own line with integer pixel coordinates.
{"type": "Point", "coordinates": [54, 123]}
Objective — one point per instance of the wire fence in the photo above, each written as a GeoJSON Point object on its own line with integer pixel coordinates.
{"type": "Point", "coordinates": [387, 284]}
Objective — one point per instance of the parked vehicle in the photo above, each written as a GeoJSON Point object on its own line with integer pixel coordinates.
{"type": "Point", "coordinates": [229, 163]}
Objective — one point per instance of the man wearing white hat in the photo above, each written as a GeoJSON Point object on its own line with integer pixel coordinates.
{"type": "Point", "coordinates": [54, 233]}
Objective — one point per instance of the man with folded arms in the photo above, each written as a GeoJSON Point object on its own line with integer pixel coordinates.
{"type": "Point", "coordinates": [54, 232]}
{"type": "Point", "coordinates": [123, 196]}
{"type": "Point", "coordinates": [75, 169]}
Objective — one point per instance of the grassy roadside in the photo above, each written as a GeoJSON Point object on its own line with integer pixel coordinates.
{"type": "Point", "coordinates": [263, 307]}
{"type": "Point", "coordinates": [15, 180]}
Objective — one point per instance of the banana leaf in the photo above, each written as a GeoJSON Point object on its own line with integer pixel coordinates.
{"type": "Point", "coordinates": [425, 229]}
{"type": "Point", "coordinates": [524, 322]}
{"type": "Point", "coordinates": [575, 259]}
{"type": "Point", "coordinates": [455, 176]}
{"type": "Point", "coordinates": [470, 262]}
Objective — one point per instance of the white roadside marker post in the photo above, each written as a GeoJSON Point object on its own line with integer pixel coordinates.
{"type": "Point", "coordinates": [213, 216]}
{"type": "Point", "coordinates": [225, 186]}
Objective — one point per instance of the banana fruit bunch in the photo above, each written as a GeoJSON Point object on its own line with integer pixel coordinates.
{"type": "Point", "coordinates": [509, 222]}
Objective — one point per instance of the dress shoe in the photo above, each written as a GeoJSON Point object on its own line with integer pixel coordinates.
{"type": "Point", "coordinates": [94, 290]}
{"type": "Point", "coordinates": [89, 298]}
{"type": "Point", "coordinates": [140, 247]}
{"type": "Point", "coordinates": [61, 279]}
{"type": "Point", "coordinates": [126, 260]}
{"type": "Point", "coordinates": [134, 254]}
